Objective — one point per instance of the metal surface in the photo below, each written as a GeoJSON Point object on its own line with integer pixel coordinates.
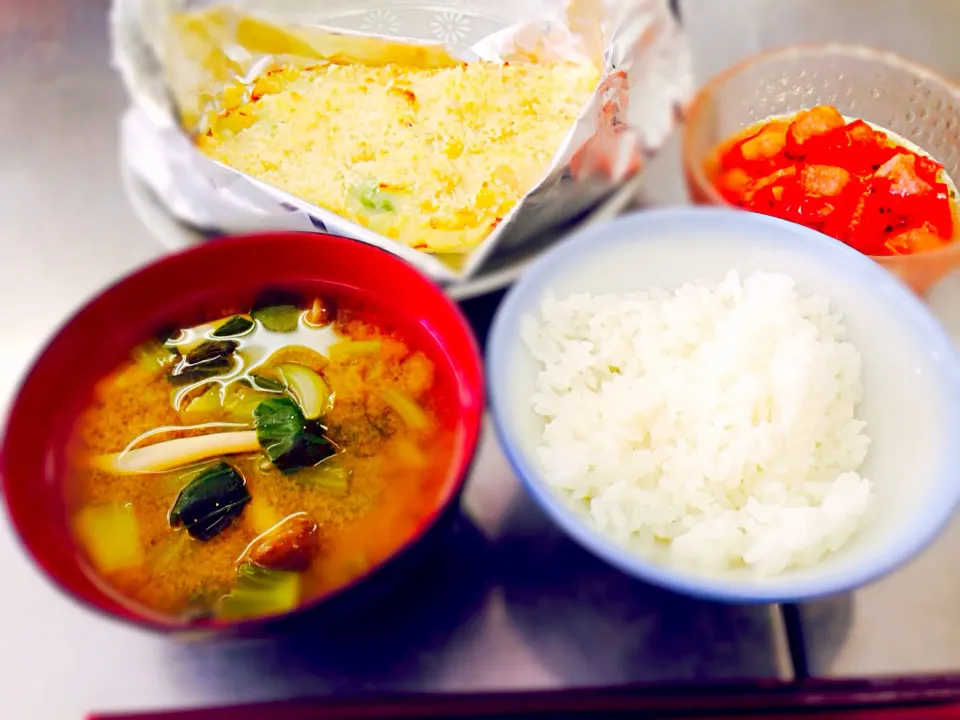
{"type": "Point", "coordinates": [908, 623]}
{"type": "Point", "coordinates": [498, 273]}
{"type": "Point", "coordinates": [510, 603]}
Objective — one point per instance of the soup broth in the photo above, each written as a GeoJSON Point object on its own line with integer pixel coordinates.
{"type": "Point", "coordinates": [244, 466]}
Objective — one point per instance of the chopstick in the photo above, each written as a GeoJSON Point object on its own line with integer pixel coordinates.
{"type": "Point", "coordinates": [923, 698]}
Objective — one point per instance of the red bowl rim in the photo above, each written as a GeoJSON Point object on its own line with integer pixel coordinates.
{"type": "Point", "coordinates": [469, 414]}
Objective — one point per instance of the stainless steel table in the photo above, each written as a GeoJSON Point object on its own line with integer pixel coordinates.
{"type": "Point", "coordinates": [910, 622]}
{"type": "Point", "coordinates": [510, 603]}
{"type": "Point", "coordinates": [531, 611]}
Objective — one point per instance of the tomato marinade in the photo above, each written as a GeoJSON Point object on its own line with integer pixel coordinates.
{"type": "Point", "coordinates": [848, 180]}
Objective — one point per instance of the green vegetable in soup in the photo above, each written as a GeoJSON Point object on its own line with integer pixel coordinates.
{"type": "Point", "coordinates": [260, 592]}
{"type": "Point", "coordinates": [327, 476]}
{"type": "Point", "coordinates": [348, 348]}
{"type": "Point", "coordinates": [153, 355]}
{"type": "Point", "coordinates": [279, 318]}
{"type": "Point", "coordinates": [234, 327]}
{"type": "Point", "coordinates": [177, 480]}
{"type": "Point", "coordinates": [211, 350]}
{"type": "Point", "coordinates": [207, 360]}
{"type": "Point", "coordinates": [111, 536]}
{"type": "Point", "coordinates": [373, 198]}
{"type": "Point", "coordinates": [206, 402]}
{"type": "Point", "coordinates": [187, 340]}
{"type": "Point", "coordinates": [290, 441]}
{"type": "Point", "coordinates": [261, 382]}
{"type": "Point", "coordinates": [242, 400]}
{"type": "Point", "coordinates": [408, 410]}
{"type": "Point", "coordinates": [308, 388]}
{"type": "Point", "coordinates": [169, 551]}
{"type": "Point", "coordinates": [201, 605]}
{"type": "Point", "coordinates": [210, 502]}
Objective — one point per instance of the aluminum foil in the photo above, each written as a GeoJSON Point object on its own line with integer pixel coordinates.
{"type": "Point", "coordinates": [170, 75]}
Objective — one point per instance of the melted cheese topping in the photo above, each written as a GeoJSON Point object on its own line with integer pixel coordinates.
{"type": "Point", "coordinates": [432, 158]}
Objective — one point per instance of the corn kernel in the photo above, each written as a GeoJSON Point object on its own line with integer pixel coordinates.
{"type": "Point", "coordinates": [485, 198]}
{"type": "Point", "coordinates": [454, 148]}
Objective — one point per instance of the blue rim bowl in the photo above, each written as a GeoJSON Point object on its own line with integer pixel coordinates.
{"type": "Point", "coordinates": [911, 375]}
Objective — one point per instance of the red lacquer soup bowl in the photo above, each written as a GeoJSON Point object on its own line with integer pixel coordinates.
{"type": "Point", "coordinates": [185, 289]}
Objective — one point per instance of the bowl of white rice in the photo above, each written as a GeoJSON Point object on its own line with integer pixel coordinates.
{"type": "Point", "coordinates": [728, 405]}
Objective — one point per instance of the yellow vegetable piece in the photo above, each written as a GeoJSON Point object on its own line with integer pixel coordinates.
{"type": "Point", "coordinates": [110, 535]}
{"type": "Point", "coordinates": [260, 515]}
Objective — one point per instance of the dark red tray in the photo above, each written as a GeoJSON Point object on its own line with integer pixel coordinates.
{"type": "Point", "coordinates": [920, 698]}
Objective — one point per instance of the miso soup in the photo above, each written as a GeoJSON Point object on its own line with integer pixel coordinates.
{"type": "Point", "coordinates": [240, 467]}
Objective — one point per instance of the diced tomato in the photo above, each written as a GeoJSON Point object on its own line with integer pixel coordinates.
{"type": "Point", "coordinates": [798, 206]}
{"type": "Point", "coordinates": [860, 133]}
{"type": "Point", "coordinates": [860, 231]}
{"type": "Point", "coordinates": [826, 148]}
{"type": "Point", "coordinates": [868, 148]}
{"type": "Point", "coordinates": [823, 179]}
{"type": "Point", "coordinates": [766, 144]}
{"type": "Point", "coordinates": [760, 193]}
{"type": "Point", "coordinates": [808, 124]}
{"type": "Point", "coordinates": [919, 239]}
{"type": "Point", "coordinates": [758, 153]}
{"type": "Point", "coordinates": [849, 204]}
{"type": "Point", "coordinates": [850, 181]}
{"type": "Point", "coordinates": [732, 183]}
{"type": "Point", "coordinates": [901, 171]}
{"type": "Point", "coordinates": [730, 153]}
{"type": "Point", "coordinates": [894, 212]}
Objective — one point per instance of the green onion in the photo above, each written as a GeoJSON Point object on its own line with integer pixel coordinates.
{"type": "Point", "coordinates": [326, 476]}
{"type": "Point", "coordinates": [234, 327]}
{"type": "Point", "coordinates": [279, 318]}
{"type": "Point", "coordinates": [260, 592]}
{"type": "Point", "coordinates": [373, 198]}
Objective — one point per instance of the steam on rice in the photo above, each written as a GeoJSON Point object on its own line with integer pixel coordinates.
{"type": "Point", "coordinates": [718, 422]}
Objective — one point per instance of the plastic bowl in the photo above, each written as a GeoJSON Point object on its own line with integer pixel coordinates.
{"type": "Point", "coordinates": [179, 288]}
{"type": "Point", "coordinates": [879, 87]}
{"type": "Point", "coordinates": [911, 374]}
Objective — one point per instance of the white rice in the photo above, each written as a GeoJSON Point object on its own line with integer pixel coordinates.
{"type": "Point", "coordinates": [718, 422]}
